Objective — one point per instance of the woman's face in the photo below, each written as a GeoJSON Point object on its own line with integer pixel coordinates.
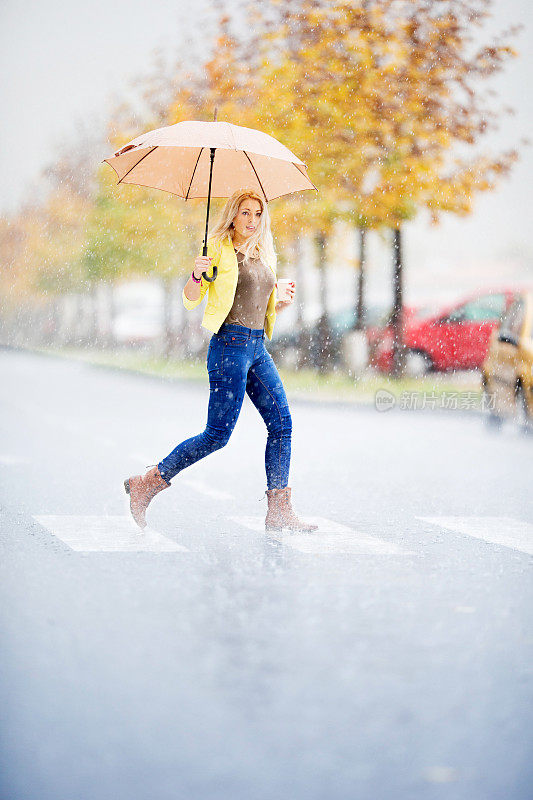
{"type": "Point", "coordinates": [248, 218]}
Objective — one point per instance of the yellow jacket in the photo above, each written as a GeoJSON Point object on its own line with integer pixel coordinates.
{"type": "Point", "coordinates": [222, 289]}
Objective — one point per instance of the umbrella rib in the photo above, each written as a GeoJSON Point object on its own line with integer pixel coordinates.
{"type": "Point", "coordinates": [192, 176]}
{"type": "Point", "coordinates": [230, 129]}
{"type": "Point", "coordinates": [298, 167]}
{"type": "Point", "coordinates": [256, 175]}
{"type": "Point", "coordinates": [138, 162]}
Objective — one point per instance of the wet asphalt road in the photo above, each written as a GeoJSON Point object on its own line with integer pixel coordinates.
{"type": "Point", "coordinates": [245, 667]}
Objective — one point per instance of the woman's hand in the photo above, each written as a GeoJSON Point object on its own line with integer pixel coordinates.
{"type": "Point", "coordinates": [201, 265]}
{"type": "Point", "coordinates": [281, 304]}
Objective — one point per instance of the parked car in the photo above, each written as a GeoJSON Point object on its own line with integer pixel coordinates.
{"type": "Point", "coordinates": [507, 371]}
{"type": "Point", "coordinates": [286, 346]}
{"type": "Point", "coordinates": [453, 338]}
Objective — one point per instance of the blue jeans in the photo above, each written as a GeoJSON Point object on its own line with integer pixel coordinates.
{"type": "Point", "coordinates": [238, 362]}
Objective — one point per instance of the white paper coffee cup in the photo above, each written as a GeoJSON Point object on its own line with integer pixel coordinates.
{"type": "Point", "coordinates": [283, 288]}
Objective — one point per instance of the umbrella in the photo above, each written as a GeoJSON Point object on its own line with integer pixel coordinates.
{"type": "Point", "coordinates": [181, 159]}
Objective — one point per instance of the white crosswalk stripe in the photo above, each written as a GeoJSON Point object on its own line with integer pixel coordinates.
{"type": "Point", "coordinates": [9, 460]}
{"type": "Point", "coordinates": [505, 531]}
{"type": "Point", "coordinates": [330, 537]}
{"type": "Point", "coordinates": [90, 534]}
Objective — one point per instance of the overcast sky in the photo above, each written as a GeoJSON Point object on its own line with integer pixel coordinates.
{"type": "Point", "coordinates": [64, 64]}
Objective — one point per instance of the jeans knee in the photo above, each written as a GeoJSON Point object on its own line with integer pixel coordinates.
{"type": "Point", "coordinates": [216, 438]}
{"type": "Point", "coordinates": [283, 426]}
{"type": "Point", "coordinates": [287, 423]}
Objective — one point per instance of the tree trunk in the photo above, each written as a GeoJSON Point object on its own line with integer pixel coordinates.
{"type": "Point", "coordinates": [77, 325]}
{"type": "Point", "coordinates": [105, 314]}
{"type": "Point", "coordinates": [324, 330]}
{"type": "Point", "coordinates": [360, 310]}
{"type": "Point", "coordinates": [398, 350]}
{"type": "Point", "coordinates": [168, 332]}
{"type": "Point", "coordinates": [300, 283]}
{"type": "Point", "coordinates": [55, 321]}
{"type": "Point", "coordinates": [94, 336]}
{"type": "Point", "coordinates": [303, 335]}
{"type": "Point", "coordinates": [87, 318]}
{"type": "Point", "coordinates": [112, 313]}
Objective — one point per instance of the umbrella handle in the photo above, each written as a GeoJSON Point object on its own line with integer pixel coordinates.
{"type": "Point", "coordinates": [215, 271]}
{"type": "Point", "coordinates": [212, 158]}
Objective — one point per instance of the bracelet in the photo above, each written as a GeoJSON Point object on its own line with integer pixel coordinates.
{"type": "Point", "coordinates": [196, 280]}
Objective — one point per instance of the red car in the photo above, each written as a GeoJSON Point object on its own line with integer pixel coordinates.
{"type": "Point", "coordinates": [453, 338]}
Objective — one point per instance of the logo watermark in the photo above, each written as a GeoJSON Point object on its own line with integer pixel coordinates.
{"type": "Point", "coordinates": [384, 400]}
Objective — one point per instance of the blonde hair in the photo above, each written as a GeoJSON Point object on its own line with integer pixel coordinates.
{"type": "Point", "coordinates": [260, 244]}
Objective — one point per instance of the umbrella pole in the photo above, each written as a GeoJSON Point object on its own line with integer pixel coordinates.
{"type": "Point", "coordinates": [204, 252]}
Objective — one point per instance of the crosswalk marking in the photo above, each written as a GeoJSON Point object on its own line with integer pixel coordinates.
{"type": "Point", "coordinates": [330, 537]}
{"type": "Point", "coordinates": [8, 460]}
{"type": "Point", "coordinates": [89, 534]}
{"type": "Point", "coordinates": [505, 531]}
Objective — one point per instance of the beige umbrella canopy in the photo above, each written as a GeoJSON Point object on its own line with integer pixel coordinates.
{"type": "Point", "coordinates": [181, 159]}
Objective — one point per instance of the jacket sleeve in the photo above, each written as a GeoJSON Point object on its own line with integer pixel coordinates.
{"type": "Point", "coordinates": [204, 285]}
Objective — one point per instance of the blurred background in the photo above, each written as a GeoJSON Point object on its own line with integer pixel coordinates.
{"type": "Point", "coordinates": [387, 654]}
{"type": "Point", "coordinates": [411, 119]}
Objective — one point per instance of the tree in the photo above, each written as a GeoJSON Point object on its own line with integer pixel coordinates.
{"type": "Point", "coordinates": [386, 98]}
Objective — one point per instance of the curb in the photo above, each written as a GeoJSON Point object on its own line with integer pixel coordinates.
{"type": "Point", "coordinates": [354, 405]}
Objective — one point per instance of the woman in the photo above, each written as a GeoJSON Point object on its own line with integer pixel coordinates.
{"type": "Point", "coordinates": [241, 307]}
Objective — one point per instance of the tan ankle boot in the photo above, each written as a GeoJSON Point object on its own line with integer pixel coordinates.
{"type": "Point", "coordinates": [142, 489]}
{"type": "Point", "coordinates": [280, 514]}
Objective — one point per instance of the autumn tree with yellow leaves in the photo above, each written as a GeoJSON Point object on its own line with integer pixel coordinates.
{"type": "Point", "coordinates": [383, 101]}
{"type": "Point", "coordinates": [40, 247]}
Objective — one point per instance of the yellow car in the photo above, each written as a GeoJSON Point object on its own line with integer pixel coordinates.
{"type": "Point", "coordinates": [507, 371]}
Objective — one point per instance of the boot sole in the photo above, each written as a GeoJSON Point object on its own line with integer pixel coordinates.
{"type": "Point", "coordinates": [282, 528]}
